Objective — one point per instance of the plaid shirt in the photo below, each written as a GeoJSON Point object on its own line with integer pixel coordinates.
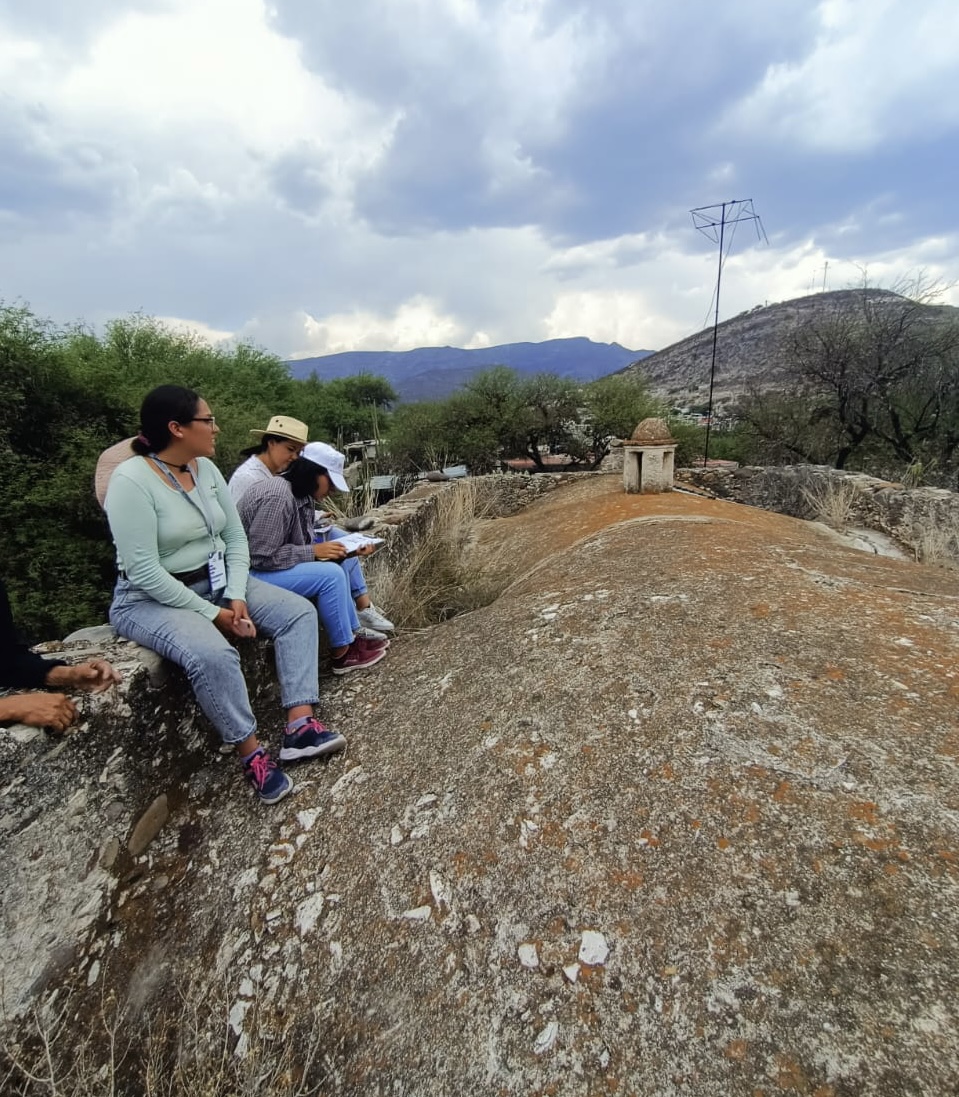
{"type": "Point", "coordinates": [278, 526]}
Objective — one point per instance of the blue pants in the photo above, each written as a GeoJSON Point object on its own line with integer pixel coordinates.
{"type": "Point", "coordinates": [329, 586]}
{"type": "Point", "coordinates": [212, 663]}
{"type": "Point", "coordinates": [352, 565]}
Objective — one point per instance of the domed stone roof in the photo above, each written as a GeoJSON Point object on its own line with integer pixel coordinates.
{"type": "Point", "coordinates": [652, 432]}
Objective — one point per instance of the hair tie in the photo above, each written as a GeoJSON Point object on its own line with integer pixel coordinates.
{"type": "Point", "coordinates": [142, 438]}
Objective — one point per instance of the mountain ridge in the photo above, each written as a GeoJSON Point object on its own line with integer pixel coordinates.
{"type": "Point", "coordinates": [431, 373]}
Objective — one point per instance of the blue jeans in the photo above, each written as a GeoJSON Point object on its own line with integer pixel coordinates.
{"type": "Point", "coordinates": [212, 663]}
{"type": "Point", "coordinates": [352, 565]}
{"type": "Point", "coordinates": [329, 587]}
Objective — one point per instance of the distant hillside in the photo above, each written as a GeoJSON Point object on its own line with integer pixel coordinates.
{"type": "Point", "coordinates": [431, 373]}
{"type": "Point", "coordinates": [748, 349]}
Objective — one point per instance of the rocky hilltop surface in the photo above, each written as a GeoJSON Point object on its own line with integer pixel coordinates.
{"type": "Point", "coordinates": [750, 347]}
{"type": "Point", "coordinates": [678, 813]}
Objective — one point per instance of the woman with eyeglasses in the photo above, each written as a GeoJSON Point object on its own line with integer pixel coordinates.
{"type": "Point", "coordinates": [184, 589]}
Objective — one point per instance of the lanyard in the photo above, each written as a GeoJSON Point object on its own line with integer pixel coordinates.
{"type": "Point", "coordinates": [194, 497]}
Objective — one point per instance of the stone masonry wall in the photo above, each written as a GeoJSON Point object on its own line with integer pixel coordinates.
{"type": "Point", "coordinates": [923, 520]}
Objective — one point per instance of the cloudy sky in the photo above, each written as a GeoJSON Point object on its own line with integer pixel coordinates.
{"type": "Point", "coordinates": [326, 175]}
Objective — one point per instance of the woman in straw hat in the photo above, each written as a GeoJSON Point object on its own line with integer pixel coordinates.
{"type": "Point", "coordinates": [278, 517]}
{"type": "Point", "coordinates": [279, 445]}
{"type": "Point", "coordinates": [184, 590]}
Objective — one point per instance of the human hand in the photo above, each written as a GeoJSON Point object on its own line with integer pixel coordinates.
{"type": "Point", "coordinates": [234, 620]}
{"type": "Point", "coordinates": [329, 550]}
{"type": "Point", "coordinates": [39, 710]}
{"type": "Point", "coordinates": [94, 676]}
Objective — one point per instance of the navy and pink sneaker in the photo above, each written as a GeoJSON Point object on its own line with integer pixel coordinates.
{"type": "Point", "coordinates": [269, 782]}
{"type": "Point", "coordinates": [309, 739]}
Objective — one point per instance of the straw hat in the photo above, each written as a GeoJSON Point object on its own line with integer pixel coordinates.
{"type": "Point", "coordinates": [107, 462]}
{"type": "Point", "coordinates": [285, 427]}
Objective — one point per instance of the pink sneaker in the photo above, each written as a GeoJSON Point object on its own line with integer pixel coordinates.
{"type": "Point", "coordinates": [357, 657]}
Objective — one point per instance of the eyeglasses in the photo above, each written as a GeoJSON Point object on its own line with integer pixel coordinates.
{"type": "Point", "coordinates": [211, 419]}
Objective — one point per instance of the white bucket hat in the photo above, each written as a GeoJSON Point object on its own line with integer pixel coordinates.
{"type": "Point", "coordinates": [331, 459]}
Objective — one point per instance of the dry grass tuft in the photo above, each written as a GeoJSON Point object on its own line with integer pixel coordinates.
{"type": "Point", "coordinates": [831, 502]}
{"type": "Point", "coordinates": [187, 1048]}
{"type": "Point", "coordinates": [442, 576]}
{"type": "Point", "coordinates": [937, 544]}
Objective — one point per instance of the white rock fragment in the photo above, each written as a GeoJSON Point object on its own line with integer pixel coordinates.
{"type": "Point", "coordinates": [472, 923]}
{"type": "Point", "coordinates": [904, 642]}
{"type": "Point", "coordinates": [757, 708]}
{"type": "Point", "coordinates": [547, 1038]}
{"type": "Point", "coordinates": [281, 854]}
{"type": "Point", "coordinates": [593, 949]}
{"type": "Point", "coordinates": [528, 956]}
{"type": "Point", "coordinates": [527, 832]}
{"type": "Point", "coordinates": [246, 988]}
{"type": "Point", "coordinates": [571, 971]}
{"type": "Point", "coordinates": [427, 801]}
{"type": "Point", "coordinates": [396, 836]}
{"type": "Point", "coordinates": [308, 914]}
{"type": "Point", "coordinates": [94, 973]}
{"type": "Point", "coordinates": [237, 1013]}
{"type": "Point", "coordinates": [418, 914]}
{"type": "Point", "coordinates": [792, 898]}
{"type": "Point", "coordinates": [354, 776]}
{"type": "Point", "coordinates": [548, 760]}
{"type": "Point", "coordinates": [308, 818]}
{"type": "Point", "coordinates": [441, 891]}
{"type": "Point", "coordinates": [775, 692]}
{"type": "Point", "coordinates": [20, 733]}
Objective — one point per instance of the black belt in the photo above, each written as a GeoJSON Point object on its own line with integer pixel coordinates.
{"type": "Point", "coordinates": [191, 577]}
{"type": "Point", "coordinates": [188, 578]}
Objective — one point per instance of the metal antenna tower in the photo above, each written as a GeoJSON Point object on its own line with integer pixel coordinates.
{"type": "Point", "coordinates": [711, 221]}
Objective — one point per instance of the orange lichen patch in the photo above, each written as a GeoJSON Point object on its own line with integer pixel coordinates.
{"type": "Point", "coordinates": [865, 811]}
{"type": "Point", "coordinates": [695, 823]}
{"type": "Point", "coordinates": [757, 773]}
{"type": "Point", "coordinates": [651, 839]}
{"type": "Point", "coordinates": [877, 845]}
{"type": "Point", "coordinates": [720, 644]}
{"type": "Point", "coordinates": [632, 881]}
{"type": "Point", "coordinates": [723, 843]}
{"type": "Point", "coordinates": [834, 674]}
{"type": "Point", "coordinates": [948, 855]}
{"type": "Point", "coordinates": [930, 940]}
{"type": "Point", "coordinates": [572, 863]}
{"type": "Point", "coordinates": [736, 1049]}
{"type": "Point", "coordinates": [949, 744]}
{"type": "Point", "coordinates": [824, 1091]}
{"type": "Point", "coordinates": [790, 1074]}
{"type": "Point", "coordinates": [783, 793]}
{"type": "Point", "coordinates": [760, 610]}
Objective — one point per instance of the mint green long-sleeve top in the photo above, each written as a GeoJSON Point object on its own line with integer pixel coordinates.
{"type": "Point", "coordinates": [158, 533]}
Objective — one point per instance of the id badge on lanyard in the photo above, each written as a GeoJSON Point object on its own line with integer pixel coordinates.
{"type": "Point", "coordinates": [216, 565]}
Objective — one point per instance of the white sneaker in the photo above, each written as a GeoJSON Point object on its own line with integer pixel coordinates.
{"type": "Point", "coordinates": [372, 618]}
{"type": "Point", "coordinates": [369, 634]}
